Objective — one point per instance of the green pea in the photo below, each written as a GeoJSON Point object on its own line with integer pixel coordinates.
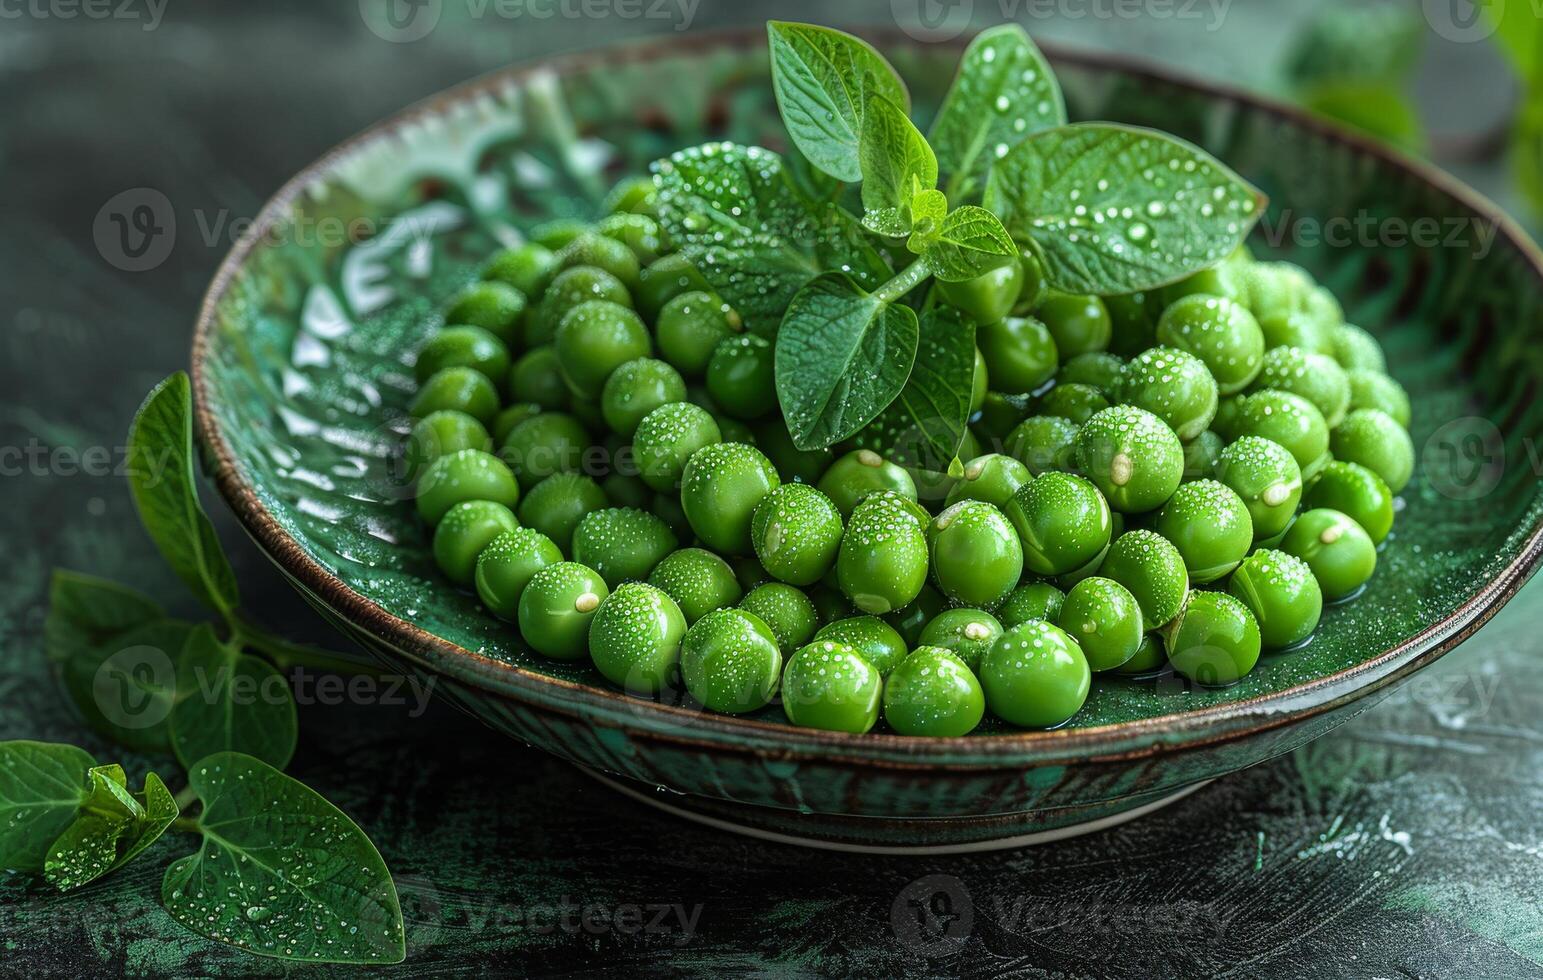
{"type": "Point", "coordinates": [1223, 279]}
{"type": "Point", "coordinates": [1035, 676]}
{"type": "Point", "coordinates": [1201, 456]}
{"type": "Point", "coordinates": [1105, 620]}
{"type": "Point", "coordinates": [552, 442]}
{"type": "Point", "coordinates": [691, 326]}
{"type": "Point", "coordinates": [1276, 286]}
{"type": "Point", "coordinates": [992, 478]}
{"type": "Point", "coordinates": [457, 389]}
{"type": "Point", "coordinates": [1356, 491]}
{"type": "Point", "coordinates": [508, 564]}
{"type": "Point", "coordinates": [1133, 322]}
{"type": "Point", "coordinates": [976, 556]}
{"type": "Point", "coordinates": [730, 661]}
{"type": "Point", "coordinates": [556, 608]}
{"type": "Point", "coordinates": [626, 490]}
{"type": "Point", "coordinates": [1375, 440]}
{"type": "Point", "coordinates": [796, 532]}
{"type": "Point", "coordinates": [1150, 658]}
{"type": "Point", "coordinates": [1077, 402]}
{"type": "Point", "coordinates": [740, 377]}
{"type": "Point", "coordinates": [667, 438]}
{"type": "Point", "coordinates": [878, 642]}
{"type": "Point", "coordinates": [932, 692]}
{"type": "Point", "coordinates": [1079, 324]}
{"type": "Point", "coordinates": [829, 685]}
{"type": "Point", "coordinates": [881, 564]}
{"type": "Point", "coordinates": [794, 465]}
{"type": "Point", "coordinates": [789, 613]}
{"type": "Point", "coordinates": [859, 473]}
{"type": "Point", "coordinates": [1062, 521]}
{"type": "Point", "coordinates": [465, 530]}
{"type": "Point", "coordinates": [635, 638]}
{"type": "Point", "coordinates": [594, 339]}
{"type": "Point", "coordinates": [639, 232]}
{"type": "Point", "coordinates": [440, 434]}
{"type": "Point", "coordinates": [636, 388]}
{"type": "Point", "coordinates": [471, 347]}
{"type": "Point", "coordinates": [1173, 385]}
{"type": "Point", "coordinates": [1229, 416]}
{"type": "Point", "coordinates": [528, 268]}
{"type": "Point", "coordinates": [1281, 592]}
{"type": "Point", "coordinates": [989, 296]}
{"type": "Point", "coordinates": [1337, 549]}
{"type": "Point", "coordinates": [496, 307]}
{"type": "Point", "coordinates": [1045, 443]}
{"type": "Point", "coordinates": [558, 232]}
{"type": "Point", "coordinates": [622, 543]}
{"type": "Point", "coordinates": [571, 288]}
{"type": "Point", "coordinates": [998, 416]}
{"type": "Point", "coordinates": [557, 504]}
{"type": "Point", "coordinates": [1097, 369]}
{"type": "Point", "coordinates": [1020, 354]}
{"type": "Point", "coordinates": [632, 195]}
{"type": "Point", "coordinates": [1296, 328]}
{"type": "Point", "coordinates": [748, 572]}
{"type": "Point", "coordinates": [720, 489]}
{"type": "Point", "coordinates": [1219, 331]}
{"type": "Point", "coordinates": [663, 280]}
{"type": "Point", "coordinates": [1357, 350]}
{"type": "Point", "coordinates": [910, 620]}
{"type": "Point", "coordinates": [698, 580]}
{"type": "Point", "coordinates": [967, 633]}
{"type": "Point", "coordinates": [1289, 420]}
{"type": "Point", "coordinates": [469, 474]}
{"type": "Point", "coordinates": [1316, 377]}
{"type": "Point", "coordinates": [1321, 305]}
{"type": "Point", "coordinates": [1151, 569]}
{"type": "Point", "coordinates": [1036, 600]}
{"type": "Point", "coordinates": [1210, 526]}
{"type": "Point", "coordinates": [1133, 458]}
{"type": "Point", "coordinates": [1214, 641]}
{"type": "Point", "coordinates": [1373, 389]}
{"type": "Point", "coordinates": [1268, 480]}
{"type": "Point", "coordinates": [591, 250]}
{"type": "Point", "coordinates": [535, 377]}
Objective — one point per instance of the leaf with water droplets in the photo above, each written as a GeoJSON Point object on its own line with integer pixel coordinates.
{"type": "Point", "coordinates": [897, 163]}
{"type": "Point", "coordinates": [42, 785]}
{"type": "Point", "coordinates": [230, 701]}
{"type": "Point", "coordinates": [282, 872]}
{"type": "Point", "coordinates": [923, 427]}
{"type": "Point", "coordinates": [754, 237]}
{"type": "Point", "coordinates": [112, 827]}
{"type": "Point", "coordinates": [970, 242]}
{"type": "Point", "coordinates": [1117, 209]}
{"type": "Point", "coordinates": [842, 357]}
{"type": "Point", "coordinates": [1004, 93]}
{"type": "Point", "coordinates": [821, 78]}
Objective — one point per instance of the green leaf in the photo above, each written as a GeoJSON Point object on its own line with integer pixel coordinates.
{"type": "Point", "coordinates": [924, 426]}
{"type": "Point", "coordinates": [111, 829]}
{"type": "Point", "coordinates": [1004, 92]}
{"type": "Point", "coordinates": [1116, 209]}
{"type": "Point", "coordinates": [971, 242]}
{"type": "Point", "coordinates": [164, 482]}
{"type": "Point", "coordinates": [929, 210]}
{"type": "Point", "coordinates": [896, 161]}
{"type": "Point", "coordinates": [42, 785]}
{"type": "Point", "coordinates": [842, 356]}
{"type": "Point", "coordinates": [228, 701]}
{"type": "Point", "coordinates": [739, 219]}
{"type": "Point", "coordinates": [821, 78]}
{"type": "Point", "coordinates": [282, 872]}
{"type": "Point", "coordinates": [115, 652]}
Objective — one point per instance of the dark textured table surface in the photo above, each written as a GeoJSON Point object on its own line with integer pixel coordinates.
{"type": "Point", "coordinates": [1408, 843]}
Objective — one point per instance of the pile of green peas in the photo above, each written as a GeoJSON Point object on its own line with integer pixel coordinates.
{"type": "Point", "coordinates": [1174, 480]}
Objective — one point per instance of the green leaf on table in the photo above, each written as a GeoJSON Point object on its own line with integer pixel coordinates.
{"type": "Point", "coordinates": [1116, 209]}
{"type": "Point", "coordinates": [896, 161]}
{"type": "Point", "coordinates": [821, 78]}
{"type": "Point", "coordinates": [42, 785]}
{"type": "Point", "coordinates": [842, 356]}
{"type": "Point", "coordinates": [970, 242]}
{"type": "Point", "coordinates": [229, 701]}
{"type": "Point", "coordinates": [1004, 92]}
{"type": "Point", "coordinates": [924, 426]}
{"type": "Point", "coordinates": [754, 237]}
{"type": "Point", "coordinates": [112, 827]}
{"type": "Point", "coordinates": [163, 477]}
{"type": "Point", "coordinates": [116, 655]}
{"type": "Point", "coordinates": [282, 872]}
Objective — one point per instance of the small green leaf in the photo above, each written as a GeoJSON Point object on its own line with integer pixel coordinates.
{"type": "Point", "coordinates": [231, 701]}
{"type": "Point", "coordinates": [1004, 92]}
{"type": "Point", "coordinates": [923, 427]}
{"type": "Point", "coordinates": [895, 159]}
{"type": "Point", "coordinates": [889, 222]}
{"type": "Point", "coordinates": [1116, 209]}
{"type": "Point", "coordinates": [163, 479]}
{"type": "Point", "coordinates": [929, 209]}
{"type": "Point", "coordinates": [111, 828]}
{"type": "Point", "coordinates": [42, 785]}
{"type": "Point", "coordinates": [842, 356]}
{"type": "Point", "coordinates": [282, 872]}
{"type": "Point", "coordinates": [970, 242]}
{"type": "Point", "coordinates": [821, 78]}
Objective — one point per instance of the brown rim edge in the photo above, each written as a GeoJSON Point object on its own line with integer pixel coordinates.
{"type": "Point", "coordinates": [1120, 741]}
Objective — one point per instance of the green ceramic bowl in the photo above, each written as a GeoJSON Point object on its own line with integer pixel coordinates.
{"type": "Point", "coordinates": [301, 362]}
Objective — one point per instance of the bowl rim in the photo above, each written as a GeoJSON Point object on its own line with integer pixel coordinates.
{"type": "Point", "coordinates": [690, 727]}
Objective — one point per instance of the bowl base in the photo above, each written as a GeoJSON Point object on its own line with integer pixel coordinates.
{"type": "Point", "coordinates": [894, 835]}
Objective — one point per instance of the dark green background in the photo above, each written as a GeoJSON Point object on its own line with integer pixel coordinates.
{"type": "Point", "coordinates": [1406, 844]}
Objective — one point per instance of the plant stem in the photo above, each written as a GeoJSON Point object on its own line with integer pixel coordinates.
{"type": "Point", "coordinates": [906, 280]}
{"type": "Point", "coordinates": [185, 798]}
{"type": "Point", "coordinates": [187, 825]}
{"type": "Point", "coordinates": [287, 655]}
